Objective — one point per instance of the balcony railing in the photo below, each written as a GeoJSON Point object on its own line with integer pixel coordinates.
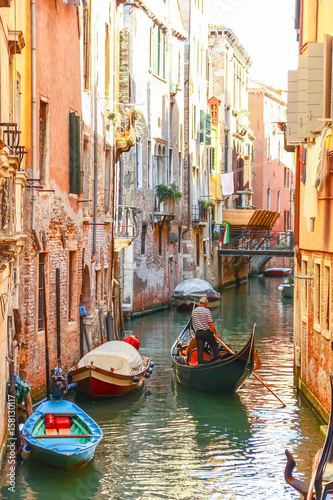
{"type": "Point", "coordinates": [199, 214]}
{"type": "Point", "coordinates": [125, 227]}
{"type": "Point", "coordinates": [11, 136]}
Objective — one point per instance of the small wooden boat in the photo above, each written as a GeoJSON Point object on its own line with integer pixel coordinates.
{"type": "Point", "coordinates": [226, 374]}
{"type": "Point", "coordinates": [112, 369]}
{"type": "Point", "coordinates": [321, 484]}
{"type": "Point", "coordinates": [61, 435]}
{"type": "Point", "coordinates": [191, 290]}
{"type": "Point", "coordinates": [277, 271]}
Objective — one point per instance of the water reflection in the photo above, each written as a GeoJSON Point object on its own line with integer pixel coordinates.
{"type": "Point", "coordinates": [167, 442]}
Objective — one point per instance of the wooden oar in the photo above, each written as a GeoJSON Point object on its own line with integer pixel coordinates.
{"type": "Point", "coordinates": [256, 376]}
{"type": "Point", "coordinates": [62, 436]}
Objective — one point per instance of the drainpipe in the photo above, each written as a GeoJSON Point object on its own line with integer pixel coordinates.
{"type": "Point", "coordinates": [33, 120]}
{"type": "Point", "coordinates": [189, 167]}
{"type": "Point", "coordinates": [95, 145]}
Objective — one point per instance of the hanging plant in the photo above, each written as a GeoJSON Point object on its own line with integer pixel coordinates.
{"type": "Point", "coordinates": [163, 192]}
{"type": "Point", "coordinates": [136, 114]}
{"type": "Point", "coordinates": [115, 118]}
{"type": "Point", "coordinates": [207, 203]}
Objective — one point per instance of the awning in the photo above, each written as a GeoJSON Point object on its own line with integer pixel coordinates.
{"type": "Point", "coordinates": [250, 219]}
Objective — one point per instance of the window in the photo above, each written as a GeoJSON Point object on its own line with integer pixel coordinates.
{"type": "Point", "coordinates": [268, 198]}
{"type": "Point", "coordinates": [86, 46]}
{"type": "Point", "coordinates": [286, 178]}
{"type": "Point", "coordinates": [304, 289]}
{"type": "Point", "coordinates": [170, 170]}
{"type": "Point", "coordinates": [143, 239]}
{"type": "Point", "coordinates": [98, 285]}
{"type": "Point", "coordinates": [149, 167]}
{"type": "Point", "coordinates": [179, 239]}
{"type": "Point", "coordinates": [107, 179]}
{"type": "Point", "coordinates": [180, 171]}
{"type": "Point", "coordinates": [44, 142]}
{"type": "Point", "coordinates": [41, 279]}
{"type": "Point", "coordinates": [160, 240]}
{"type": "Point", "coordinates": [327, 298]}
{"type": "Point", "coordinates": [317, 294]}
{"type": "Point", "coordinates": [157, 52]}
{"type": "Point", "coordinates": [70, 284]}
{"type": "Point", "coordinates": [107, 61]}
{"type": "Point", "coordinates": [278, 209]}
{"type": "Point", "coordinates": [194, 122]}
{"type": "Point", "coordinates": [74, 154]}
{"type": "Point", "coordinates": [198, 249]}
{"type": "Point", "coordinates": [286, 220]}
{"type": "Point", "coordinates": [138, 151]}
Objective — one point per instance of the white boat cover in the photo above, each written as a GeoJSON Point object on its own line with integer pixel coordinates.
{"type": "Point", "coordinates": [121, 356]}
{"type": "Point", "coordinates": [193, 289]}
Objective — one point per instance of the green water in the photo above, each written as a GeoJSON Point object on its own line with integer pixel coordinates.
{"type": "Point", "coordinates": [167, 442]}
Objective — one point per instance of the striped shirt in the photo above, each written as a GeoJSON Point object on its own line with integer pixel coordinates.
{"type": "Point", "coordinates": [201, 318]}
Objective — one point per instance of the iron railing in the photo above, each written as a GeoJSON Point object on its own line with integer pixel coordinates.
{"type": "Point", "coordinates": [199, 213]}
{"type": "Point", "coordinates": [125, 222]}
{"type": "Point", "coordinates": [11, 136]}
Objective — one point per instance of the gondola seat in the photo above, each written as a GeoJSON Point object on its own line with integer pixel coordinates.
{"type": "Point", "coordinates": [192, 358]}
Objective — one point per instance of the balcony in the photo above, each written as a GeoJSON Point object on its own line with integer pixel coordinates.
{"type": "Point", "coordinates": [199, 215]}
{"type": "Point", "coordinates": [125, 227]}
{"type": "Point", "coordinates": [165, 211]}
{"type": "Point", "coordinates": [11, 137]}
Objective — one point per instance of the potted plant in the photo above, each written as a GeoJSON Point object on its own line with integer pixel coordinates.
{"type": "Point", "coordinates": [207, 203]}
{"type": "Point", "coordinates": [115, 118]}
{"type": "Point", "coordinates": [163, 192]}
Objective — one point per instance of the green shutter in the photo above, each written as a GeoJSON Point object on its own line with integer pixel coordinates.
{"type": "Point", "coordinates": [74, 154]}
{"type": "Point", "coordinates": [208, 129]}
{"type": "Point", "coordinates": [156, 50]}
{"type": "Point", "coordinates": [202, 125]}
{"type": "Point", "coordinates": [71, 133]}
{"type": "Point", "coordinates": [77, 141]}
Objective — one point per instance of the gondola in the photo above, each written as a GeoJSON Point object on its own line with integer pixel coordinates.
{"type": "Point", "coordinates": [321, 484]}
{"type": "Point", "coordinates": [226, 374]}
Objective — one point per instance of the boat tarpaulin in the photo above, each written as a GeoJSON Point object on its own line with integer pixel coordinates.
{"type": "Point", "coordinates": [193, 289]}
{"type": "Point", "coordinates": [120, 356]}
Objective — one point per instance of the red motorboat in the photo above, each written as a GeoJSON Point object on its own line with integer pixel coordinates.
{"type": "Point", "coordinates": [112, 369]}
{"type": "Point", "coordinates": [277, 271]}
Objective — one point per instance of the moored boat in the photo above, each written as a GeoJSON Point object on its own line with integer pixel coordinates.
{"type": "Point", "coordinates": [226, 374]}
{"type": "Point", "coordinates": [61, 435]}
{"type": "Point", "coordinates": [277, 271]}
{"type": "Point", "coordinates": [112, 369]}
{"type": "Point", "coordinates": [321, 484]}
{"type": "Point", "coordinates": [190, 291]}
{"type": "Point", "coordinates": [287, 288]}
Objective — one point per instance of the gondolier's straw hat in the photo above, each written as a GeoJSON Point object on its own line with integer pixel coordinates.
{"type": "Point", "coordinates": [203, 300]}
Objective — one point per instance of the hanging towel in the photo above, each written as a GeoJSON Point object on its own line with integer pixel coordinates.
{"type": "Point", "coordinates": [310, 209]}
{"type": "Point", "coordinates": [227, 181]}
{"type": "Point", "coordinates": [322, 167]}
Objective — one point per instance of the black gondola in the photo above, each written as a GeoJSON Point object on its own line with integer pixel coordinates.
{"type": "Point", "coordinates": [225, 374]}
{"type": "Point", "coordinates": [321, 485]}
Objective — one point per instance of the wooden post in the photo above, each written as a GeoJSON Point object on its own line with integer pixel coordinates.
{"type": "Point", "coordinates": [121, 315]}
{"type": "Point", "coordinates": [58, 315]}
{"type": "Point", "coordinates": [12, 388]}
{"type": "Point", "coordinates": [47, 361]}
{"type": "Point", "coordinates": [170, 285]}
{"type": "Point", "coordinates": [177, 280]}
{"type": "Point", "coordinates": [23, 365]}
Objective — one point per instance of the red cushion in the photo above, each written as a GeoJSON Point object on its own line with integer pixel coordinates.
{"type": "Point", "coordinates": [133, 340]}
{"type": "Point", "coordinates": [63, 422]}
{"type": "Point", "coordinates": [194, 357]}
{"type": "Point", "coordinates": [49, 421]}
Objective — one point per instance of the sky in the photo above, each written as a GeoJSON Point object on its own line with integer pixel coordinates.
{"type": "Point", "coordinates": [265, 28]}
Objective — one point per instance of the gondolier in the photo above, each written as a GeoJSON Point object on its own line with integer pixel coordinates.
{"type": "Point", "coordinates": [205, 329]}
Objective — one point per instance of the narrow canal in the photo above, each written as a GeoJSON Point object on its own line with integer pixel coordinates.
{"type": "Point", "coordinates": [168, 442]}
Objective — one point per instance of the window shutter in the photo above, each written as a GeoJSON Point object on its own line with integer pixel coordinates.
{"type": "Point", "coordinates": [208, 129]}
{"type": "Point", "coordinates": [202, 125]}
{"type": "Point", "coordinates": [156, 50]}
{"type": "Point", "coordinates": [77, 140]}
{"type": "Point", "coordinates": [71, 152]}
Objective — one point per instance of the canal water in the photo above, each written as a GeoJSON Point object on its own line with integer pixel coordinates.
{"type": "Point", "coordinates": [168, 442]}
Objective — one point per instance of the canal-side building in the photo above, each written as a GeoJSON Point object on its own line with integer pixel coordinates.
{"type": "Point", "coordinates": [151, 173]}
{"type": "Point", "coordinates": [309, 129]}
{"type": "Point", "coordinates": [14, 157]}
{"type": "Point", "coordinates": [197, 235]}
{"type": "Point", "coordinates": [53, 210]}
{"type": "Point", "coordinates": [273, 167]}
{"type": "Point", "coordinates": [228, 67]}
